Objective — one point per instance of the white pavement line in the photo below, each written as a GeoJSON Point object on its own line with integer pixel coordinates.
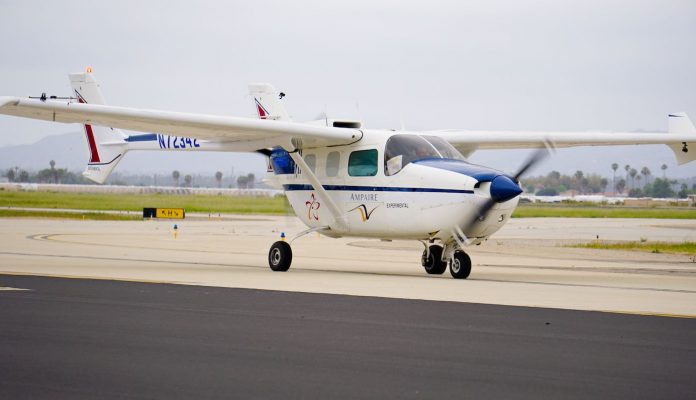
{"type": "Point", "coordinates": [10, 288]}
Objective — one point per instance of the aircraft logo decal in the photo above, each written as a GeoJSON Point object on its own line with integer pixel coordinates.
{"type": "Point", "coordinates": [312, 207]}
{"type": "Point", "coordinates": [363, 212]}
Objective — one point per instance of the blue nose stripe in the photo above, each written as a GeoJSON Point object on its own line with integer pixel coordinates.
{"type": "Point", "coordinates": [503, 189]}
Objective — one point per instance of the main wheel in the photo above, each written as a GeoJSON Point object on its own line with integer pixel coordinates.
{"type": "Point", "coordinates": [280, 256]}
{"type": "Point", "coordinates": [460, 265]}
{"type": "Point", "coordinates": [433, 263]}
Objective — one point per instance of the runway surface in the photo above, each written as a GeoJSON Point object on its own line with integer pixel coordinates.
{"type": "Point", "coordinates": [524, 264]}
{"type": "Point", "coordinates": [74, 338]}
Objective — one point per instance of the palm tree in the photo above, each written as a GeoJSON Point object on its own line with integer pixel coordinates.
{"type": "Point", "coordinates": [188, 179]}
{"type": "Point", "coordinates": [628, 170]}
{"type": "Point", "coordinates": [621, 185]}
{"type": "Point", "coordinates": [614, 167]}
{"type": "Point", "coordinates": [218, 178]}
{"type": "Point", "coordinates": [242, 182]}
{"type": "Point", "coordinates": [633, 172]}
{"type": "Point", "coordinates": [664, 169]}
{"type": "Point", "coordinates": [53, 171]}
{"type": "Point", "coordinates": [175, 176]}
{"type": "Point", "coordinates": [645, 171]}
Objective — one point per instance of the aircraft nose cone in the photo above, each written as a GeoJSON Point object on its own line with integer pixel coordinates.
{"type": "Point", "coordinates": [503, 189]}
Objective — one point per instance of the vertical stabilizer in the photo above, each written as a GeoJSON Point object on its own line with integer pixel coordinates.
{"type": "Point", "coordinates": [105, 146]}
{"type": "Point", "coordinates": [268, 102]}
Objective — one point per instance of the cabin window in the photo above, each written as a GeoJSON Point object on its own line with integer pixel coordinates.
{"type": "Point", "coordinates": [332, 162]}
{"type": "Point", "coordinates": [363, 163]}
{"type": "Point", "coordinates": [311, 161]}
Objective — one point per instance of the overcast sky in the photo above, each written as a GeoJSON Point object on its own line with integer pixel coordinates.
{"type": "Point", "coordinates": [562, 65]}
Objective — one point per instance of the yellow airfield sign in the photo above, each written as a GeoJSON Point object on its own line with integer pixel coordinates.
{"type": "Point", "coordinates": [169, 213]}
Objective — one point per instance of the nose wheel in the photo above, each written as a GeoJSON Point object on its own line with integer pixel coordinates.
{"type": "Point", "coordinates": [460, 265]}
{"type": "Point", "coordinates": [280, 256]}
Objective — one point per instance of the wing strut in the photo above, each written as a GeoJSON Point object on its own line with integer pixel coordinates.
{"type": "Point", "coordinates": [339, 217]}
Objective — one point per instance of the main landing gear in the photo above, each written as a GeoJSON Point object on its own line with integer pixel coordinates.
{"type": "Point", "coordinates": [459, 262]}
{"type": "Point", "coordinates": [280, 256]}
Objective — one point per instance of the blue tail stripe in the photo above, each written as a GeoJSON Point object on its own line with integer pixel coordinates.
{"type": "Point", "coordinates": [149, 137]}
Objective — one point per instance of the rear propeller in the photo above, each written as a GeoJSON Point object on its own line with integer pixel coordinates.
{"type": "Point", "coordinates": [504, 188]}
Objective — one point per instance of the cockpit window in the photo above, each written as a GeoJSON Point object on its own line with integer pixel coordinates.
{"type": "Point", "coordinates": [445, 149]}
{"type": "Point", "coordinates": [401, 150]}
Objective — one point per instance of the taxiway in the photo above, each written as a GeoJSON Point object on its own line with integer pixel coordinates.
{"type": "Point", "coordinates": [525, 264]}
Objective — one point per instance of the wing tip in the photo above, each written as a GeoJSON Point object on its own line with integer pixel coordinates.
{"type": "Point", "coordinates": [8, 101]}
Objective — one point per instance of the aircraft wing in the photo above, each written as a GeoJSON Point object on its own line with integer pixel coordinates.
{"type": "Point", "coordinates": [681, 135]}
{"type": "Point", "coordinates": [242, 134]}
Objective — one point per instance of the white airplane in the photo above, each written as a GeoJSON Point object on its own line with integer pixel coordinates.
{"type": "Point", "coordinates": [342, 179]}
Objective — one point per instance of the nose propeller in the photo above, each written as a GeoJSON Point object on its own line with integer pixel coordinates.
{"type": "Point", "coordinates": [504, 188]}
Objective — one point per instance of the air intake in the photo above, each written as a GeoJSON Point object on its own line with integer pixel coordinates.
{"type": "Point", "coordinates": [347, 124]}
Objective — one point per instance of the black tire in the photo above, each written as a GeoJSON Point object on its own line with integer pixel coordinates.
{"type": "Point", "coordinates": [280, 256]}
{"type": "Point", "coordinates": [433, 264]}
{"type": "Point", "coordinates": [460, 265]}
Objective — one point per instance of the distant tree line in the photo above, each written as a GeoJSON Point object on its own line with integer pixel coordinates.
{"type": "Point", "coordinates": [554, 184]}
{"type": "Point", "coordinates": [243, 181]}
{"type": "Point", "coordinates": [47, 175]}
{"type": "Point", "coordinates": [634, 183]}
{"type": "Point", "coordinates": [62, 175]}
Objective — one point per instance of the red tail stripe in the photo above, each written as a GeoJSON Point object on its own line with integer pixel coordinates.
{"type": "Point", "coordinates": [262, 112]}
{"type": "Point", "coordinates": [92, 144]}
{"type": "Point", "coordinates": [90, 136]}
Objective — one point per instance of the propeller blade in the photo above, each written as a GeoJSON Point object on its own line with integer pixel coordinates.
{"type": "Point", "coordinates": [505, 191]}
{"type": "Point", "coordinates": [483, 211]}
{"type": "Point", "coordinates": [534, 159]}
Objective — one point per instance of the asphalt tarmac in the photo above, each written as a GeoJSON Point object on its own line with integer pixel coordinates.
{"type": "Point", "coordinates": [80, 338]}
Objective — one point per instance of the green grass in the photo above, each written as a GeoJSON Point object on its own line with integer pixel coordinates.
{"type": "Point", "coordinates": [688, 248]}
{"type": "Point", "coordinates": [136, 202]}
{"type": "Point", "coordinates": [565, 211]}
{"type": "Point", "coordinates": [278, 205]}
{"type": "Point", "coordinates": [68, 215]}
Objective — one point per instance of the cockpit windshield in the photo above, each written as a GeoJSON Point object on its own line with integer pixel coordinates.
{"type": "Point", "coordinates": [401, 150]}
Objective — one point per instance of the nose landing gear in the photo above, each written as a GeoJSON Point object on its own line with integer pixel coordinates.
{"type": "Point", "coordinates": [460, 265]}
{"type": "Point", "coordinates": [432, 260]}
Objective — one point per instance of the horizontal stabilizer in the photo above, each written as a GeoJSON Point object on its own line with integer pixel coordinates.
{"type": "Point", "coordinates": [679, 123]}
